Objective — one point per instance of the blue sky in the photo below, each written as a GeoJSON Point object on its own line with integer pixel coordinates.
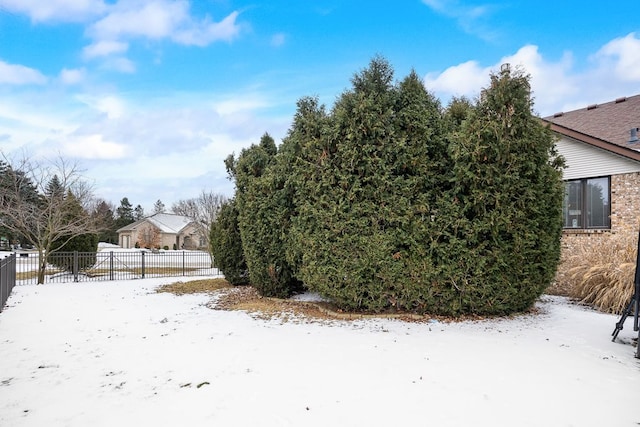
{"type": "Point", "coordinates": [149, 96]}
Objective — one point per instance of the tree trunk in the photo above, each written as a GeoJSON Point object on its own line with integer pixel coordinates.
{"type": "Point", "coordinates": [42, 266]}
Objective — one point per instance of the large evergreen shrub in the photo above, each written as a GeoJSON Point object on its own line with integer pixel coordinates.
{"type": "Point", "coordinates": [500, 225]}
{"type": "Point", "coordinates": [368, 175]}
{"type": "Point", "coordinates": [264, 207]}
{"type": "Point", "coordinates": [388, 202]}
{"type": "Point", "coordinates": [226, 245]}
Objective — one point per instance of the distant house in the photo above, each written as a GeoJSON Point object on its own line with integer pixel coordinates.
{"type": "Point", "coordinates": [161, 230]}
{"type": "Point", "coordinates": [602, 175]}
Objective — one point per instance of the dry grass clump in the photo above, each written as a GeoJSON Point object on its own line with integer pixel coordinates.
{"type": "Point", "coordinates": [601, 274]}
{"type": "Point", "coordinates": [246, 298]}
{"type": "Point", "coordinates": [194, 286]}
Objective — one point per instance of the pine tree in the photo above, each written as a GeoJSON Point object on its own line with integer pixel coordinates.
{"type": "Point", "coordinates": [104, 217]}
{"type": "Point", "coordinates": [158, 207]}
{"type": "Point", "coordinates": [124, 213]}
{"type": "Point", "coordinates": [138, 213]}
{"type": "Point", "coordinates": [87, 244]}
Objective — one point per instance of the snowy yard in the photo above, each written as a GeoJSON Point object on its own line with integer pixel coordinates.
{"type": "Point", "coordinates": [119, 354]}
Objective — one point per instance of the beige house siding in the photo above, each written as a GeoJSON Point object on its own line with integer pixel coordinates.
{"type": "Point", "coordinates": [148, 235]}
{"type": "Point", "coordinates": [584, 161]}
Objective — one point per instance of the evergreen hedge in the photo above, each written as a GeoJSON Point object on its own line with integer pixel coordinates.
{"type": "Point", "coordinates": [364, 206]}
{"type": "Point", "coordinates": [390, 202]}
{"type": "Point", "coordinates": [226, 245]}
{"type": "Point", "coordinates": [500, 226]}
{"type": "Point", "coordinates": [264, 208]}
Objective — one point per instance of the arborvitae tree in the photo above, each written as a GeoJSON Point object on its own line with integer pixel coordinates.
{"type": "Point", "coordinates": [367, 179]}
{"type": "Point", "coordinates": [303, 152]}
{"type": "Point", "coordinates": [87, 244]}
{"type": "Point", "coordinates": [501, 223]}
{"type": "Point", "coordinates": [458, 110]}
{"type": "Point", "coordinates": [264, 212]}
{"type": "Point", "coordinates": [124, 213]}
{"type": "Point", "coordinates": [226, 245]}
{"type": "Point", "coordinates": [388, 202]}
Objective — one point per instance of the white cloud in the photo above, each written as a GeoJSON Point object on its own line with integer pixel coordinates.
{"type": "Point", "coordinates": [24, 114]}
{"type": "Point", "coordinates": [14, 74]}
{"type": "Point", "coordinates": [157, 20]}
{"type": "Point", "coordinates": [557, 85]}
{"type": "Point", "coordinates": [469, 18]}
{"type": "Point", "coordinates": [206, 32]}
{"type": "Point", "coordinates": [463, 79]}
{"type": "Point", "coordinates": [121, 65]}
{"type": "Point", "coordinates": [72, 76]}
{"type": "Point", "coordinates": [161, 19]}
{"type": "Point", "coordinates": [92, 147]}
{"type": "Point", "coordinates": [153, 19]}
{"type": "Point", "coordinates": [624, 54]}
{"type": "Point", "coordinates": [104, 48]}
{"type": "Point", "coordinates": [56, 10]}
{"type": "Point", "coordinates": [112, 106]}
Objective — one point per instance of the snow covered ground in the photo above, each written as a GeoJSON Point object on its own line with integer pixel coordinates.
{"type": "Point", "coordinates": [118, 354]}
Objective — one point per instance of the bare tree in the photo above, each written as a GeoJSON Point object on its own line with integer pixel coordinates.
{"type": "Point", "coordinates": [42, 214]}
{"type": "Point", "coordinates": [203, 210]}
{"type": "Point", "coordinates": [149, 237]}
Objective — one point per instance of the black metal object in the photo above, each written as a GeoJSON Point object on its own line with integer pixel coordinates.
{"type": "Point", "coordinates": [115, 265]}
{"type": "Point", "coordinates": [633, 307]}
{"type": "Point", "coordinates": [7, 277]}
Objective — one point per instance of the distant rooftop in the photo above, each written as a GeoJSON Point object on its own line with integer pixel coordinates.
{"type": "Point", "coordinates": [611, 121]}
{"type": "Point", "coordinates": [167, 223]}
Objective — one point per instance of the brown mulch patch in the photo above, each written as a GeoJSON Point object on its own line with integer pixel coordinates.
{"type": "Point", "coordinates": [195, 286]}
{"type": "Point", "coordinates": [246, 298]}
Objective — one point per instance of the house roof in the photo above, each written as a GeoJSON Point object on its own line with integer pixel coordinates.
{"type": "Point", "coordinates": [605, 126]}
{"type": "Point", "coordinates": [166, 223]}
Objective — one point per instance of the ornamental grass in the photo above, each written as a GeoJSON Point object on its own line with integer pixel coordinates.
{"type": "Point", "coordinates": [602, 274]}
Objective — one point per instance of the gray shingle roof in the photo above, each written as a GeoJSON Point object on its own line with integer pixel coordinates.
{"type": "Point", "coordinates": [610, 122]}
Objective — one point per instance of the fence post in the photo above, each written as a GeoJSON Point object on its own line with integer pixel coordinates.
{"type": "Point", "coordinates": [111, 265]}
{"type": "Point", "coordinates": [7, 277]}
{"type": "Point", "coordinates": [183, 265]}
{"type": "Point", "coordinates": [142, 252]}
{"type": "Point", "coordinates": [4, 282]}
{"type": "Point", "coordinates": [75, 266]}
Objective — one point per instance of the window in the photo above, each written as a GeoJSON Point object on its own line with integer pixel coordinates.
{"type": "Point", "coordinates": [586, 203]}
